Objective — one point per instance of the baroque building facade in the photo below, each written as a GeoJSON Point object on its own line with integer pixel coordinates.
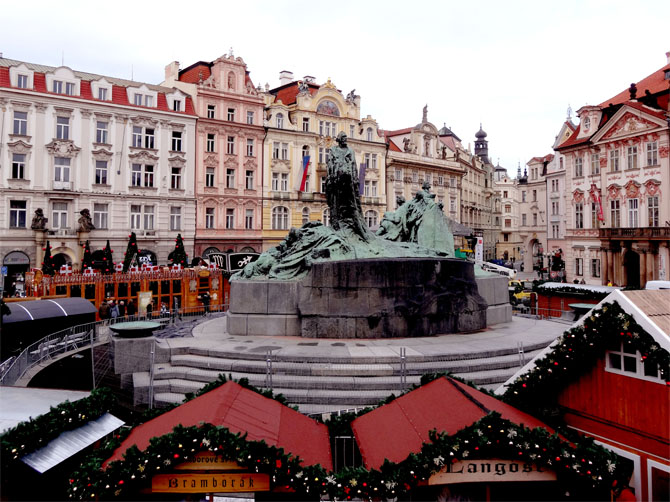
{"type": "Point", "coordinates": [423, 154]}
{"type": "Point", "coordinates": [509, 243]}
{"type": "Point", "coordinates": [302, 120]}
{"type": "Point", "coordinates": [120, 151]}
{"type": "Point", "coordinates": [617, 173]}
{"type": "Point", "coordinates": [229, 147]}
{"type": "Point", "coordinates": [478, 197]}
{"type": "Point", "coordinates": [533, 211]}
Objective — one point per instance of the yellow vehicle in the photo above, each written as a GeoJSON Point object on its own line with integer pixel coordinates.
{"type": "Point", "coordinates": [517, 293]}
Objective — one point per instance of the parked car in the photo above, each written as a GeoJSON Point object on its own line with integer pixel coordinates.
{"type": "Point", "coordinates": [517, 293]}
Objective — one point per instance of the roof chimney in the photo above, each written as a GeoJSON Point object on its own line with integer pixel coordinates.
{"type": "Point", "coordinates": [285, 77]}
{"type": "Point", "coordinates": [172, 71]}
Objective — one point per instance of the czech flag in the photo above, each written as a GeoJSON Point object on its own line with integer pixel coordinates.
{"type": "Point", "coordinates": [305, 166]}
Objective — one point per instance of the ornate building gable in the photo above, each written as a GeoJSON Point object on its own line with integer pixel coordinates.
{"type": "Point", "coordinates": [614, 191]}
{"type": "Point", "coordinates": [143, 156]}
{"type": "Point", "coordinates": [63, 148]}
{"type": "Point", "coordinates": [632, 189]}
{"type": "Point", "coordinates": [626, 123]}
{"type": "Point", "coordinates": [577, 196]}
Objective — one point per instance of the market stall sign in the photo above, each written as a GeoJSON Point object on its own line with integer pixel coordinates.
{"type": "Point", "coordinates": [477, 471]}
{"type": "Point", "coordinates": [209, 461]}
{"type": "Point", "coordinates": [210, 483]}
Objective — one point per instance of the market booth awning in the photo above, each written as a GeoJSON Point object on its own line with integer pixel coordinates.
{"type": "Point", "coordinates": [47, 309]}
{"type": "Point", "coordinates": [397, 429]}
{"type": "Point", "coordinates": [243, 411]}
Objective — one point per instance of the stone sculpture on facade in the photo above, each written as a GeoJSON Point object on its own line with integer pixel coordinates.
{"type": "Point", "coordinates": [85, 221]}
{"type": "Point", "coordinates": [39, 221]}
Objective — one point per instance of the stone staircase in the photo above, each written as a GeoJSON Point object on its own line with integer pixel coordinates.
{"type": "Point", "coordinates": [321, 384]}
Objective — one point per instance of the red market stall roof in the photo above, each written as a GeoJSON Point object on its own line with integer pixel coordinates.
{"type": "Point", "coordinates": [241, 411]}
{"type": "Point", "coordinates": [399, 428]}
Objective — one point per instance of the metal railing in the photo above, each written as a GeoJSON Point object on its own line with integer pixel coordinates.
{"type": "Point", "coordinates": [85, 336]}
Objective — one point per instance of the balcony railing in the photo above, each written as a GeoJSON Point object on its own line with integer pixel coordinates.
{"type": "Point", "coordinates": [640, 232]}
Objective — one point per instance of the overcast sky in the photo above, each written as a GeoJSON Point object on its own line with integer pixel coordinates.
{"type": "Point", "coordinates": [514, 66]}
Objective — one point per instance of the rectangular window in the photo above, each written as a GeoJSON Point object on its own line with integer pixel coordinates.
{"type": "Point", "coordinates": [59, 215]}
{"type": "Point", "coordinates": [652, 153]}
{"type": "Point", "coordinates": [100, 172]}
{"type": "Point", "coordinates": [305, 124]}
{"type": "Point", "coordinates": [523, 196]}
{"type": "Point", "coordinates": [652, 206]}
{"type": "Point", "coordinates": [176, 141]}
{"type": "Point", "coordinates": [62, 169]}
{"type": "Point", "coordinates": [101, 131]}
{"type": "Point", "coordinates": [210, 142]}
{"type": "Point", "coordinates": [17, 214]}
{"type": "Point", "coordinates": [352, 131]}
{"type": "Point", "coordinates": [143, 137]}
{"type": "Point", "coordinates": [321, 128]}
{"type": "Point", "coordinates": [373, 165]}
{"type": "Point", "coordinates": [579, 266]}
{"type": "Point", "coordinates": [623, 358]}
{"type": "Point", "coordinates": [579, 167]}
{"type": "Point", "coordinates": [148, 138]}
{"type": "Point", "coordinates": [284, 151]}
{"type": "Point", "coordinates": [366, 188]}
{"type": "Point", "coordinates": [209, 177]}
{"type": "Point", "coordinates": [595, 267]}
{"type": "Point", "coordinates": [209, 217]}
{"type": "Point", "coordinates": [175, 178]}
{"type": "Point", "coordinates": [614, 160]}
{"type": "Point", "coordinates": [175, 218]}
{"type": "Point", "coordinates": [230, 218]}
{"type": "Point", "coordinates": [102, 94]}
{"type": "Point", "coordinates": [250, 147]}
{"type": "Point", "coordinates": [505, 237]}
{"type": "Point", "coordinates": [534, 195]}
{"type": "Point", "coordinates": [250, 117]}
{"type": "Point", "coordinates": [595, 163]}
{"type": "Point", "coordinates": [632, 213]}
{"type": "Point", "coordinates": [18, 166]}
{"type": "Point", "coordinates": [22, 81]}
{"type": "Point", "coordinates": [534, 219]}
{"type": "Point", "coordinates": [307, 183]}
{"type": "Point", "coordinates": [373, 188]}
{"type": "Point", "coordinates": [554, 231]}
{"type": "Point", "coordinates": [57, 87]}
{"type": "Point", "coordinates": [176, 105]}
{"type": "Point", "coordinates": [148, 217]}
{"type": "Point", "coordinates": [69, 88]}
{"type": "Point", "coordinates": [508, 223]}
{"type": "Point", "coordinates": [579, 215]}
{"type": "Point", "coordinates": [284, 182]}
{"type": "Point", "coordinates": [415, 177]}
{"type": "Point", "coordinates": [137, 137]}
{"type": "Point", "coordinates": [323, 184]}
{"type": "Point", "coordinates": [63, 127]}
{"type": "Point", "coordinates": [211, 109]}
{"type": "Point", "coordinates": [594, 215]}
{"type": "Point", "coordinates": [142, 175]}
{"type": "Point", "coordinates": [275, 150]}
{"type": "Point", "coordinates": [230, 178]}
{"type": "Point", "coordinates": [249, 219]}
{"type": "Point", "coordinates": [137, 99]}
{"type": "Point", "coordinates": [366, 160]}
{"type": "Point", "coordinates": [21, 123]}
{"type": "Point", "coordinates": [230, 145]}
{"type": "Point", "coordinates": [440, 180]}
{"type": "Point", "coordinates": [524, 221]}
{"type": "Point", "coordinates": [554, 208]}
{"type": "Point", "coordinates": [275, 182]}
{"type": "Point", "coordinates": [631, 157]}
{"type": "Point", "coordinates": [135, 217]}
{"type": "Point", "coordinates": [231, 114]}
{"type": "Point", "coordinates": [615, 214]}
{"type": "Point", "coordinates": [148, 101]}
{"type": "Point", "coordinates": [100, 216]}
{"type": "Point", "coordinates": [249, 180]}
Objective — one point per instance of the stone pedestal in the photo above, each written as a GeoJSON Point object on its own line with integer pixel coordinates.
{"type": "Point", "coordinates": [372, 298]}
{"type": "Point", "coordinates": [494, 290]}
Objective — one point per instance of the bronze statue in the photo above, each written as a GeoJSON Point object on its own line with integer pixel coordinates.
{"type": "Point", "coordinates": [85, 222]}
{"type": "Point", "coordinates": [343, 190]}
{"type": "Point", "coordinates": [39, 221]}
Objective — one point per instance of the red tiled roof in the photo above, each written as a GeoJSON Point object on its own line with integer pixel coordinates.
{"type": "Point", "coordinates": [654, 83]}
{"type": "Point", "coordinates": [192, 73]}
{"type": "Point", "coordinates": [4, 77]}
{"type": "Point", "coordinates": [289, 92]}
{"type": "Point", "coordinates": [450, 142]}
{"type": "Point", "coordinates": [546, 158]}
{"type": "Point", "coordinates": [119, 92]}
{"type": "Point", "coordinates": [399, 132]}
{"type": "Point", "coordinates": [401, 427]}
{"type": "Point", "coordinates": [392, 146]}
{"type": "Point", "coordinates": [244, 411]}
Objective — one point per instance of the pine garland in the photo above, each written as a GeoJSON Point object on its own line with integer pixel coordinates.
{"type": "Point", "coordinates": [35, 433]}
{"type": "Point", "coordinates": [574, 355]}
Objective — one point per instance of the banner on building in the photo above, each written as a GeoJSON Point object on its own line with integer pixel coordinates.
{"type": "Point", "coordinates": [305, 170]}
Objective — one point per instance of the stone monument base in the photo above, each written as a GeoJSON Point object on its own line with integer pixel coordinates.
{"type": "Point", "coordinates": [372, 298]}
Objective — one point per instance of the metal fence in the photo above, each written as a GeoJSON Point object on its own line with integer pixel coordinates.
{"type": "Point", "coordinates": [83, 336]}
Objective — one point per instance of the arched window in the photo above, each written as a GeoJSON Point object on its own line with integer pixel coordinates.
{"type": "Point", "coordinates": [280, 218]}
{"type": "Point", "coordinates": [280, 121]}
{"type": "Point", "coordinates": [326, 217]}
{"type": "Point", "coordinates": [305, 151]}
{"type": "Point", "coordinates": [371, 218]}
{"type": "Point", "coordinates": [368, 133]}
{"type": "Point", "coordinates": [305, 215]}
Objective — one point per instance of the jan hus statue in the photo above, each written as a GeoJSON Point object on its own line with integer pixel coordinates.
{"type": "Point", "coordinates": [343, 190]}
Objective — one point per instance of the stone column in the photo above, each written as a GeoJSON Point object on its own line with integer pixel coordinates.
{"type": "Point", "coordinates": [651, 265]}
{"type": "Point", "coordinates": [643, 267]}
{"type": "Point", "coordinates": [610, 265]}
{"type": "Point", "coordinates": [603, 266]}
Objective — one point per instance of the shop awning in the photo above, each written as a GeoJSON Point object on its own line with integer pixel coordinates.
{"type": "Point", "coordinates": [71, 442]}
{"type": "Point", "coordinates": [46, 309]}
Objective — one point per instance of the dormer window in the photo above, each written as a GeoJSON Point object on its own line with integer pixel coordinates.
{"type": "Point", "coordinates": [102, 94]}
{"type": "Point", "coordinates": [176, 105]}
{"type": "Point", "coordinates": [22, 81]}
{"type": "Point", "coordinates": [57, 87]}
{"type": "Point", "coordinates": [69, 88]}
{"type": "Point", "coordinates": [138, 100]}
{"type": "Point", "coordinates": [587, 124]}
